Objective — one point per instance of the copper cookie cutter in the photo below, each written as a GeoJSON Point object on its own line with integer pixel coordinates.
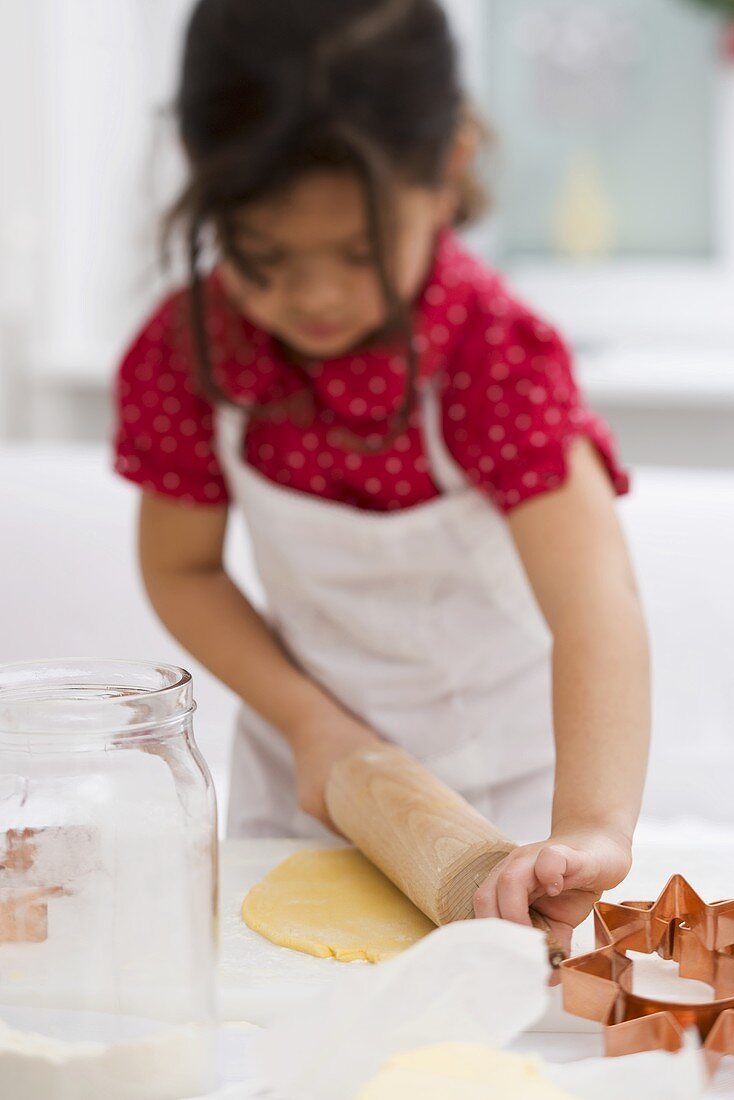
{"type": "Point", "coordinates": [678, 926]}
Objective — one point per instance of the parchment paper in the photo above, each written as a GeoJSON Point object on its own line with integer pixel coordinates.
{"type": "Point", "coordinates": [474, 981]}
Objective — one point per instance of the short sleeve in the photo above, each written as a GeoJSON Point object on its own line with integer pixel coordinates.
{"type": "Point", "coordinates": [165, 426]}
{"type": "Point", "coordinates": [512, 407]}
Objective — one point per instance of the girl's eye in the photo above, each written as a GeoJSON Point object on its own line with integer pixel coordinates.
{"type": "Point", "coordinates": [252, 264]}
{"type": "Point", "coordinates": [267, 259]}
{"type": "Point", "coordinates": [360, 258]}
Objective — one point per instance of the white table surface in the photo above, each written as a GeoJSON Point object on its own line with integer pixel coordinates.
{"type": "Point", "coordinates": [259, 980]}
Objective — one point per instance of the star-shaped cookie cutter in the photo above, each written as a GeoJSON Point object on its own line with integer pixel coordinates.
{"type": "Point", "coordinates": [678, 926]}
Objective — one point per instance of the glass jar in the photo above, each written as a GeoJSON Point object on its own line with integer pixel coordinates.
{"type": "Point", "coordinates": [108, 883]}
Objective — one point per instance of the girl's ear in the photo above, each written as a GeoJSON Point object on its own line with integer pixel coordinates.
{"type": "Point", "coordinates": [458, 165]}
{"type": "Point", "coordinates": [463, 151]}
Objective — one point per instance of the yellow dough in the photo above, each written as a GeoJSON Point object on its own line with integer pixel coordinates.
{"type": "Point", "coordinates": [461, 1071]}
{"type": "Point", "coordinates": [334, 902]}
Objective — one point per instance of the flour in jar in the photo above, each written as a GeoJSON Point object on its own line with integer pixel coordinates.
{"type": "Point", "coordinates": [156, 1065]}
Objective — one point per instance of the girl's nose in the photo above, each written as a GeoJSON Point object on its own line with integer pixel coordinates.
{"type": "Point", "coordinates": [315, 289]}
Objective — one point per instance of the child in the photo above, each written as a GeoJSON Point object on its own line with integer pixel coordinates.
{"type": "Point", "coordinates": [429, 498]}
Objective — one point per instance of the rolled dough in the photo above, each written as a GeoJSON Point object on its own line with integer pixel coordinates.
{"type": "Point", "coordinates": [462, 1071]}
{"type": "Point", "coordinates": [334, 903]}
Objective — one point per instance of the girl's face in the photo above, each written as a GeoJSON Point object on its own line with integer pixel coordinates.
{"type": "Point", "coordinates": [312, 246]}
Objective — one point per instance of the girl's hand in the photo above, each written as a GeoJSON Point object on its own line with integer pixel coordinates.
{"type": "Point", "coordinates": [561, 877]}
{"type": "Point", "coordinates": [318, 743]}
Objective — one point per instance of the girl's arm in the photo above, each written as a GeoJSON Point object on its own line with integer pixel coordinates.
{"type": "Point", "coordinates": [575, 556]}
{"type": "Point", "coordinates": [181, 551]}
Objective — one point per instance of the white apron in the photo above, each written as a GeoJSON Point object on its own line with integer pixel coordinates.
{"type": "Point", "coordinates": [419, 621]}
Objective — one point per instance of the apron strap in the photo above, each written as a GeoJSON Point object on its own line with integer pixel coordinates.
{"type": "Point", "coordinates": [230, 425]}
{"type": "Point", "coordinates": [446, 472]}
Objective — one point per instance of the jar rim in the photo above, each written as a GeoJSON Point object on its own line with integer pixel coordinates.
{"type": "Point", "coordinates": [75, 700]}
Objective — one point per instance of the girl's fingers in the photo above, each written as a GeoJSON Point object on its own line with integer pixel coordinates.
{"type": "Point", "coordinates": [485, 899]}
{"type": "Point", "coordinates": [506, 891]}
{"type": "Point", "coordinates": [514, 887]}
{"type": "Point", "coordinates": [516, 883]}
{"type": "Point", "coordinates": [551, 868]}
{"type": "Point", "coordinates": [559, 868]}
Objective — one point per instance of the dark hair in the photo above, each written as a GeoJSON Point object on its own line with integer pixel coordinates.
{"type": "Point", "coordinates": [272, 88]}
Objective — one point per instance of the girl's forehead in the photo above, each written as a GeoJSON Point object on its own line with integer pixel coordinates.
{"type": "Point", "coordinates": [325, 207]}
{"type": "Point", "coordinates": [314, 202]}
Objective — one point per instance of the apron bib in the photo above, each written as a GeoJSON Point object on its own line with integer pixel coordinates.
{"type": "Point", "coordinates": [421, 622]}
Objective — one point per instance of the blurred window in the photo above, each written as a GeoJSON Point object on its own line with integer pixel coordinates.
{"type": "Point", "coordinates": [605, 111]}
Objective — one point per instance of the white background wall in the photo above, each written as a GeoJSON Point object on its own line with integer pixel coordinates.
{"type": "Point", "coordinates": [82, 85]}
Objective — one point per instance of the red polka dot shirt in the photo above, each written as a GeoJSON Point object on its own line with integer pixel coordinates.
{"type": "Point", "coordinates": [510, 404]}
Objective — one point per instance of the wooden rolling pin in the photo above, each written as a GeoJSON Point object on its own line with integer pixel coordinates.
{"type": "Point", "coordinates": [425, 837]}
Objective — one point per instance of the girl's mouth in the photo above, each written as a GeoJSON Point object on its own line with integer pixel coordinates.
{"type": "Point", "coordinates": [321, 332]}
